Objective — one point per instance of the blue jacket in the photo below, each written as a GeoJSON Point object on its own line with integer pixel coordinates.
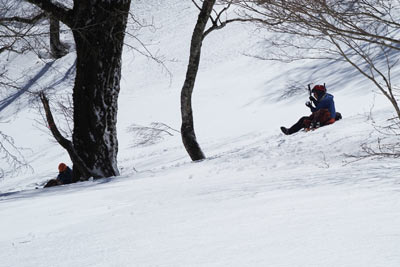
{"type": "Point", "coordinates": [326, 102]}
{"type": "Point", "coordinates": [65, 177]}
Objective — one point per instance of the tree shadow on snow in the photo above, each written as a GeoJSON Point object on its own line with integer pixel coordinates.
{"type": "Point", "coordinates": [335, 73]}
{"type": "Point", "coordinates": [56, 190]}
{"type": "Point", "coordinates": [12, 98]}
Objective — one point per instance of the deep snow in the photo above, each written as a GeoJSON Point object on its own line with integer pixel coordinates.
{"type": "Point", "coordinates": [259, 199]}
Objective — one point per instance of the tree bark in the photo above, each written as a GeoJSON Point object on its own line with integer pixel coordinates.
{"type": "Point", "coordinates": [99, 33]}
{"type": "Point", "coordinates": [98, 28]}
{"type": "Point", "coordinates": [187, 127]}
{"type": "Point", "coordinates": [57, 49]}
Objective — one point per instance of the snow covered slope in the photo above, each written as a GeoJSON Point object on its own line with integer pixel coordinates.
{"type": "Point", "coordinates": [259, 199]}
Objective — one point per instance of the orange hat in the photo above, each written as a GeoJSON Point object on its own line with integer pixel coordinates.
{"type": "Point", "coordinates": [62, 167]}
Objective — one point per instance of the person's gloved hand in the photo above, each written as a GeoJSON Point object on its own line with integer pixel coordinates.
{"type": "Point", "coordinates": [308, 104]}
{"type": "Point", "coordinates": [311, 98]}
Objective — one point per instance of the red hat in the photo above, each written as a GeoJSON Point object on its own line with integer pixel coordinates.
{"type": "Point", "coordinates": [62, 167]}
{"type": "Point", "coordinates": [320, 88]}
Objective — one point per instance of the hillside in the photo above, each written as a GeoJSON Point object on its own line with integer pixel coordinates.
{"type": "Point", "coordinates": [259, 199]}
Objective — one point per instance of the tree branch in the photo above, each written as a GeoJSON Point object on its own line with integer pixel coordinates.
{"type": "Point", "coordinates": [65, 143]}
{"type": "Point", "coordinates": [223, 24]}
{"type": "Point", "coordinates": [31, 20]}
{"type": "Point", "coordinates": [198, 7]}
{"type": "Point", "coordinates": [58, 11]}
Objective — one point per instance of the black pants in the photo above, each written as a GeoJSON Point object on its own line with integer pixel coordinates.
{"type": "Point", "coordinates": [52, 182]}
{"type": "Point", "coordinates": [300, 125]}
{"type": "Point", "coordinates": [305, 122]}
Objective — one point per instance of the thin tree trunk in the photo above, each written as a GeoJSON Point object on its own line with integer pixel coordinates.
{"type": "Point", "coordinates": [187, 127]}
{"type": "Point", "coordinates": [57, 49]}
{"type": "Point", "coordinates": [65, 143]}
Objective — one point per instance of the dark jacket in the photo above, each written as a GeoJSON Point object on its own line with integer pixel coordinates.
{"type": "Point", "coordinates": [65, 177]}
{"type": "Point", "coordinates": [326, 102]}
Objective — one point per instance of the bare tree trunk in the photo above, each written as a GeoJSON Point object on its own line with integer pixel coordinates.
{"type": "Point", "coordinates": [98, 28]}
{"type": "Point", "coordinates": [57, 49]}
{"type": "Point", "coordinates": [97, 84]}
{"type": "Point", "coordinates": [187, 127]}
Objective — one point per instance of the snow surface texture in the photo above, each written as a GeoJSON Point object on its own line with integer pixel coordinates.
{"type": "Point", "coordinates": [259, 199]}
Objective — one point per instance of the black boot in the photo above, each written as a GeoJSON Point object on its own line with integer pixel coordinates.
{"type": "Point", "coordinates": [285, 130]}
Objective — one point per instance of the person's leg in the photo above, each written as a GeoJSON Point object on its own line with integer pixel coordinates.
{"type": "Point", "coordinates": [297, 126]}
{"type": "Point", "coordinates": [52, 182]}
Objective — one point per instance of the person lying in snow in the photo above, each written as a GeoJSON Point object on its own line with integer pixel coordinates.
{"type": "Point", "coordinates": [64, 176]}
{"type": "Point", "coordinates": [324, 112]}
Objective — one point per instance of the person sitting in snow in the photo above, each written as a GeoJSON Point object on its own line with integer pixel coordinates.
{"type": "Point", "coordinates": [64, 176]}
{"type": "Point", "coordinates": [324, 112]}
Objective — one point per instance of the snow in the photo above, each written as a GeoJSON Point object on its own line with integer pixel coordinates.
{"type": "Point", "coordinates": [259, 199]}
